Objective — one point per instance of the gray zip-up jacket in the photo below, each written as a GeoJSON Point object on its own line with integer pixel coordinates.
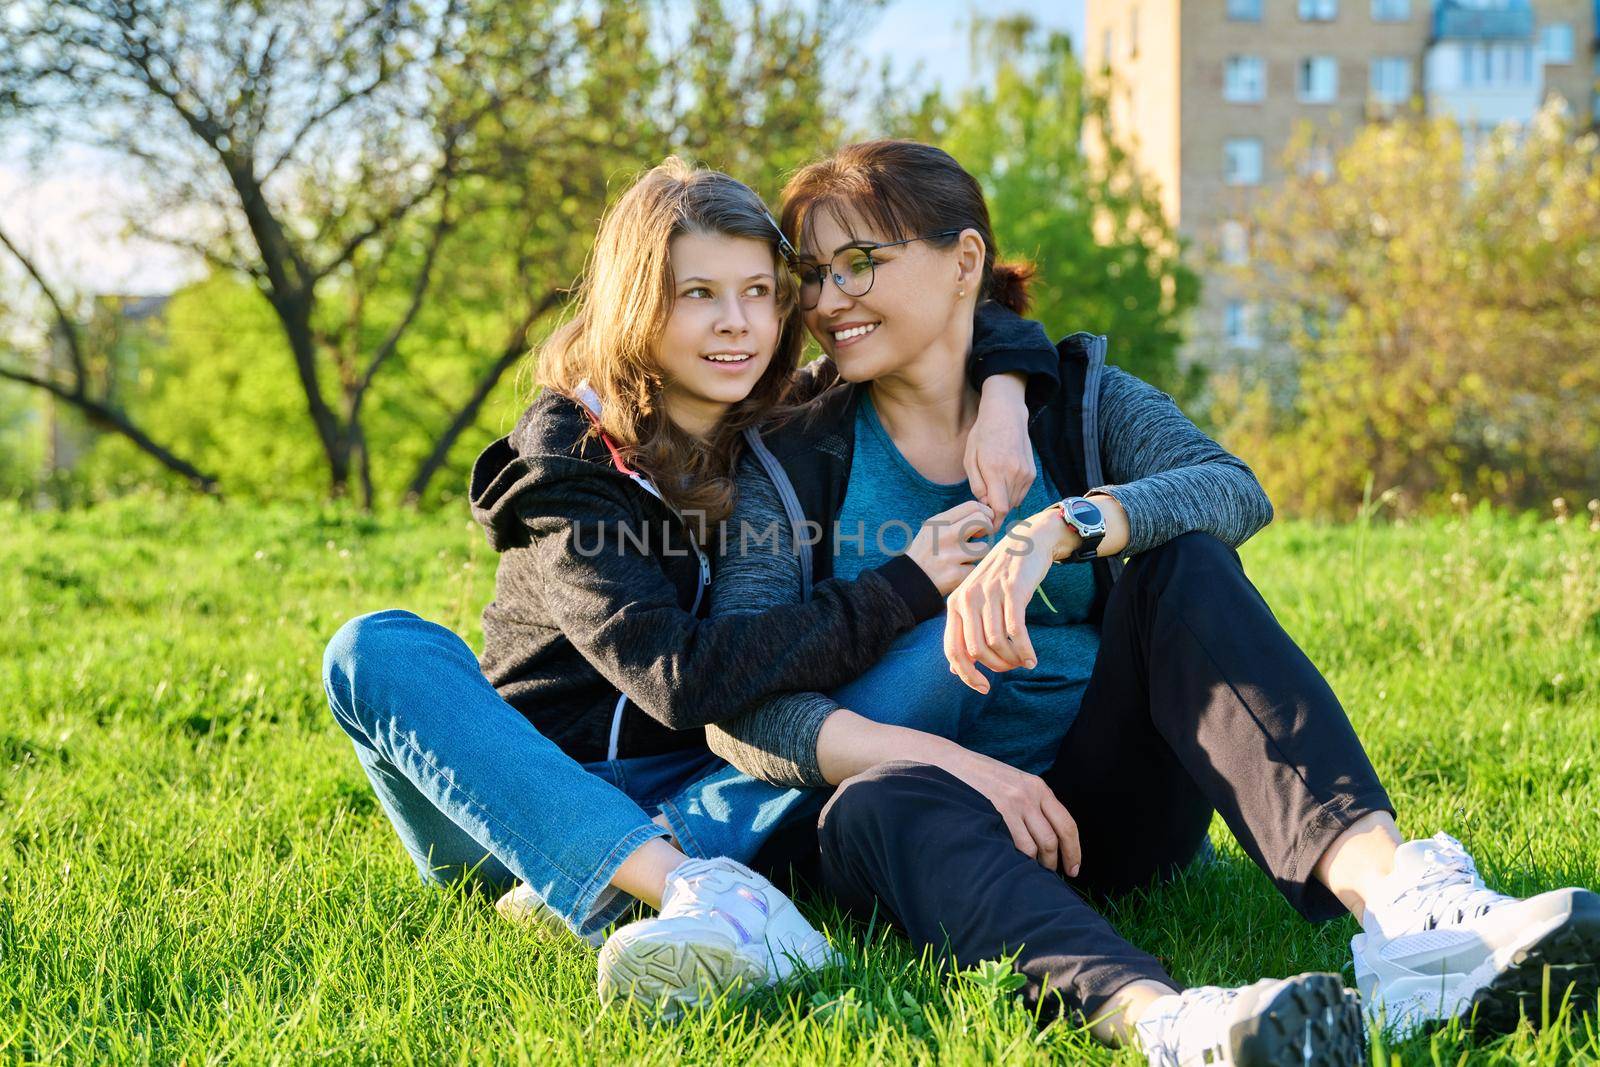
{"type": "Point", "coordinates": [1118, 436]}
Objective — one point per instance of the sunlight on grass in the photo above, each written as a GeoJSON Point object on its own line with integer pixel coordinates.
{"type": "Point", "coordinates": [192, 867]}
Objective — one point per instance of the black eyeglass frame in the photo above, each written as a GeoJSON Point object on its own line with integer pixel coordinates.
{"type": "Point", "coordinates": [821, 272]}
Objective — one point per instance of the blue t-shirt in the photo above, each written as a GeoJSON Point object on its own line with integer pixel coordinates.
{"type": "Point", "coordinates": [1028, 712]}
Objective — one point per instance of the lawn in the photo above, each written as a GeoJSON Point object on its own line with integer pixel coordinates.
{"type": "Point", "coordinates": [192, 867]}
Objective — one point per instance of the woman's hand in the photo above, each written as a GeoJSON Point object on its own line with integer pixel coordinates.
{"type": "Point", "coordinates": [999, 456]}
{"type": "Point", "coordinates": [1040, 826]}
{"type": "Point", "coordinates": [986, 621]}
{"type": "Point", "coordinates": [943, 546]}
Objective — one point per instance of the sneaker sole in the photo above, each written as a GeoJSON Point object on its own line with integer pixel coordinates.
{"type": "Point", "coordinates": [1564, 962]}
{"type": "Point", "coordinates": [539, 916]}
{"type": "Point", "coordinates": [671, 975]}
{"type": "Point", "coordinates": [1312, 1019]}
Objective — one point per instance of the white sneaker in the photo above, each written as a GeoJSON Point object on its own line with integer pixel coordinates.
{"type": "Point", "coordinates": [1311, 1018]}
{"type": "Point", "coordinates": [521, 905]}
{"type": "Point", "coordinates": [722, 926]}
{"type": "Point", "coordinates": [1440, 945]}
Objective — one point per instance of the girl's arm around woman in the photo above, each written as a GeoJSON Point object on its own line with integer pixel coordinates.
{"type": "Point", "coordinates": [592, 562]}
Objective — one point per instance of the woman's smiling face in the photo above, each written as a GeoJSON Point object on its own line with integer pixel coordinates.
{"type": "Point", "coordinates": [912, 302]}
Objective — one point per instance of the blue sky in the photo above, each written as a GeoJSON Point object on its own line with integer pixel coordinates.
{"type": "Point", "coordinates": [70, 215]}
{"type": "Point", "coordinates": [935, 31]}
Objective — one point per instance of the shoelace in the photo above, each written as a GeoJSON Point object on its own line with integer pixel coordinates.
{"type": "Point", "coordinates": [1450, 880]}
{"type": "Point", "coordinates": [1166, 1032]}
{"type": "Point", "coordinates": [713, 891]}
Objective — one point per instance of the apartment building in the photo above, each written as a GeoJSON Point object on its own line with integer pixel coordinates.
{"type": "Point", "coordinates": [1207, 93]}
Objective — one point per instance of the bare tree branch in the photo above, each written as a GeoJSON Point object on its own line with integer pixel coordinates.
{"type": "Point", "coordinates": [106, 416]}
{"type": "Point", "coordinates": [378, 225]}
{"type": "Point", "coordinates": [419, 290]}
{"type": "Point", "coordinates": [514, 349]}
{"type": "Point", "coordinates": [205, 250]}
{"type": "Point", "coordinates": [320, 116]}
{"type": "Point", "coordinates": [69, 328]}
{"type": "Point", "coordinates": [312, 143]}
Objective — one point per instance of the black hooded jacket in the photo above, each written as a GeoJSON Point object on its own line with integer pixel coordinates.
{"type": "Point", "coordinates": [598, 632]}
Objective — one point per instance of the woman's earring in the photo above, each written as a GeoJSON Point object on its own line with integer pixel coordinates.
{"type": "Point", "coordinates": [961, 292]}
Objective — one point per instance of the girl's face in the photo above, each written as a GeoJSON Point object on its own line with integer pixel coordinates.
{"type": "Point", "coordinates": [912, 304]}
{"type": "Point", "coordinates": [723, 329]}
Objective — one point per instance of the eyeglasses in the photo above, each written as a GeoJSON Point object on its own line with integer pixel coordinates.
{"type": "Point", "coordinates": [852, 268]}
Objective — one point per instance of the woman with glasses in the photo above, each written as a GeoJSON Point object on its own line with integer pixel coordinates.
{"type": "Point", "coordinates": [571, 758]}
{"type": "Point", "coordinates": [1073, 723]}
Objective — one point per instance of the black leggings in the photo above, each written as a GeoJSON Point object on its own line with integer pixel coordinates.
{"type": "Point", "coordinates": [1199, 702]}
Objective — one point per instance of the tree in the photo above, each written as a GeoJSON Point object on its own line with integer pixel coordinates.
{"type": "Point", "coordinates": [752, 92]}
{"type": "Point", "coordinates": [216, 384]}
{"type": "Point", "coordinates": [237, 115]}
{"type": "Point", "coordinates": [364, 163]}
{"type": "Point", "coordinates": [77, 384]}
{"type": "Point", "coordinates": [1107, 260]}
{"type": "Point", "coordinates": [1440, 316]}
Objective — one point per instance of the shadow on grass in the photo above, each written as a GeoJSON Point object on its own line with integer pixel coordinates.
{"type": "Point", "coordinates": [1217, 922]}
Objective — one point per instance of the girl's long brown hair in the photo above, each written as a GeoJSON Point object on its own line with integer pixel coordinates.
{"type": "Point", "coordinates": [623, 303]}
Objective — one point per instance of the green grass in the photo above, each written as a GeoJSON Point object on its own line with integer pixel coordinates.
{"type": "Point", "coordinates": [192, 867]}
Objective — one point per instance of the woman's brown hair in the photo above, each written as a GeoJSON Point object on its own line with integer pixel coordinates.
{"type": "Point", "coordinates": [903, 189]}
{"type": "Point", "coordinates": [623, 303]}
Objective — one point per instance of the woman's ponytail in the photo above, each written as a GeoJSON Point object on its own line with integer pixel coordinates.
{"type": "Point", "coordinates": [1008, 285]}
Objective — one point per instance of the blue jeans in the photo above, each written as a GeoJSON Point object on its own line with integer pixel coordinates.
{"type": "Point", "coordinates": [472, 788]}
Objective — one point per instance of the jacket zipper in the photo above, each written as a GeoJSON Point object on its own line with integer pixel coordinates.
{"type": "Point", "coordinates": [591, 401]}
{"type": "Point", "coordinates": [701, 585]}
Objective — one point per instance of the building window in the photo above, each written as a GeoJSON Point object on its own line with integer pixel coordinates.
{"type": "Point", "coordinates": [1555, 42]}
{"type": "Point", "coordinates": [1239, 324]}
{"type": "Point", "coordinates": [1244, 10]}
{"type": "Point", "coordinates": [1133, 31]}
{"type": "Point", "coordinates": [1319, 79]}
{"type": "Point", "coordinates": [1319, 10]}
{"type": "Point", "coordinates": [1241, 161]}
{"type": "Point", "coordinates": [1391, 10]}
{"type": "Point", "coordinates": [1244, 79]}
{"type": "Point", "coordinates": [1105, 50]}
{"type": "Point", "coordinates": [1496, 66]}
{"type": "Point", "coordinates": [1233, 243]}
{"type": "Point", "coordinates": [1391, 79]}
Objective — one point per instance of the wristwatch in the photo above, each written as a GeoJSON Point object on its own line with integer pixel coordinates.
{"type": "Point", "coordinates": [1083, 515]}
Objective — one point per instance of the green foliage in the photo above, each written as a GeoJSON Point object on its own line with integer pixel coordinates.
{"type": "Point", "coordinates": [193, 867]}
{"type": "Point", "coordinates": [21, 437]}
{"type": "Point", "coordinates": [215, 385]}
{"type": "Point", "coordinates": [48, 444]}
{"type": "Point", "coordinates": [410, 188]}
{"type": "Point", "coordinates": [1107, 261]}
{"type": "Point", "coordinates": [21, 440]}
{"type": "Point", "coordinates": [1439, 318]}
{"type": "Point", "coordinates": [486, 241]}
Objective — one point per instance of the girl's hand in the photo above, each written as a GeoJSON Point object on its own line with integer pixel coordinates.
{"type": "Point", "coordinates": [999, 455]}
{"type": "Point", "coordinates": [943, 548]}
{"type": "Point", "coordinates": [987, 617]}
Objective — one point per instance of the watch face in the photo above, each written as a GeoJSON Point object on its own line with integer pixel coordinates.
{"type": "Point", "coordinates": [1086, 513]}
